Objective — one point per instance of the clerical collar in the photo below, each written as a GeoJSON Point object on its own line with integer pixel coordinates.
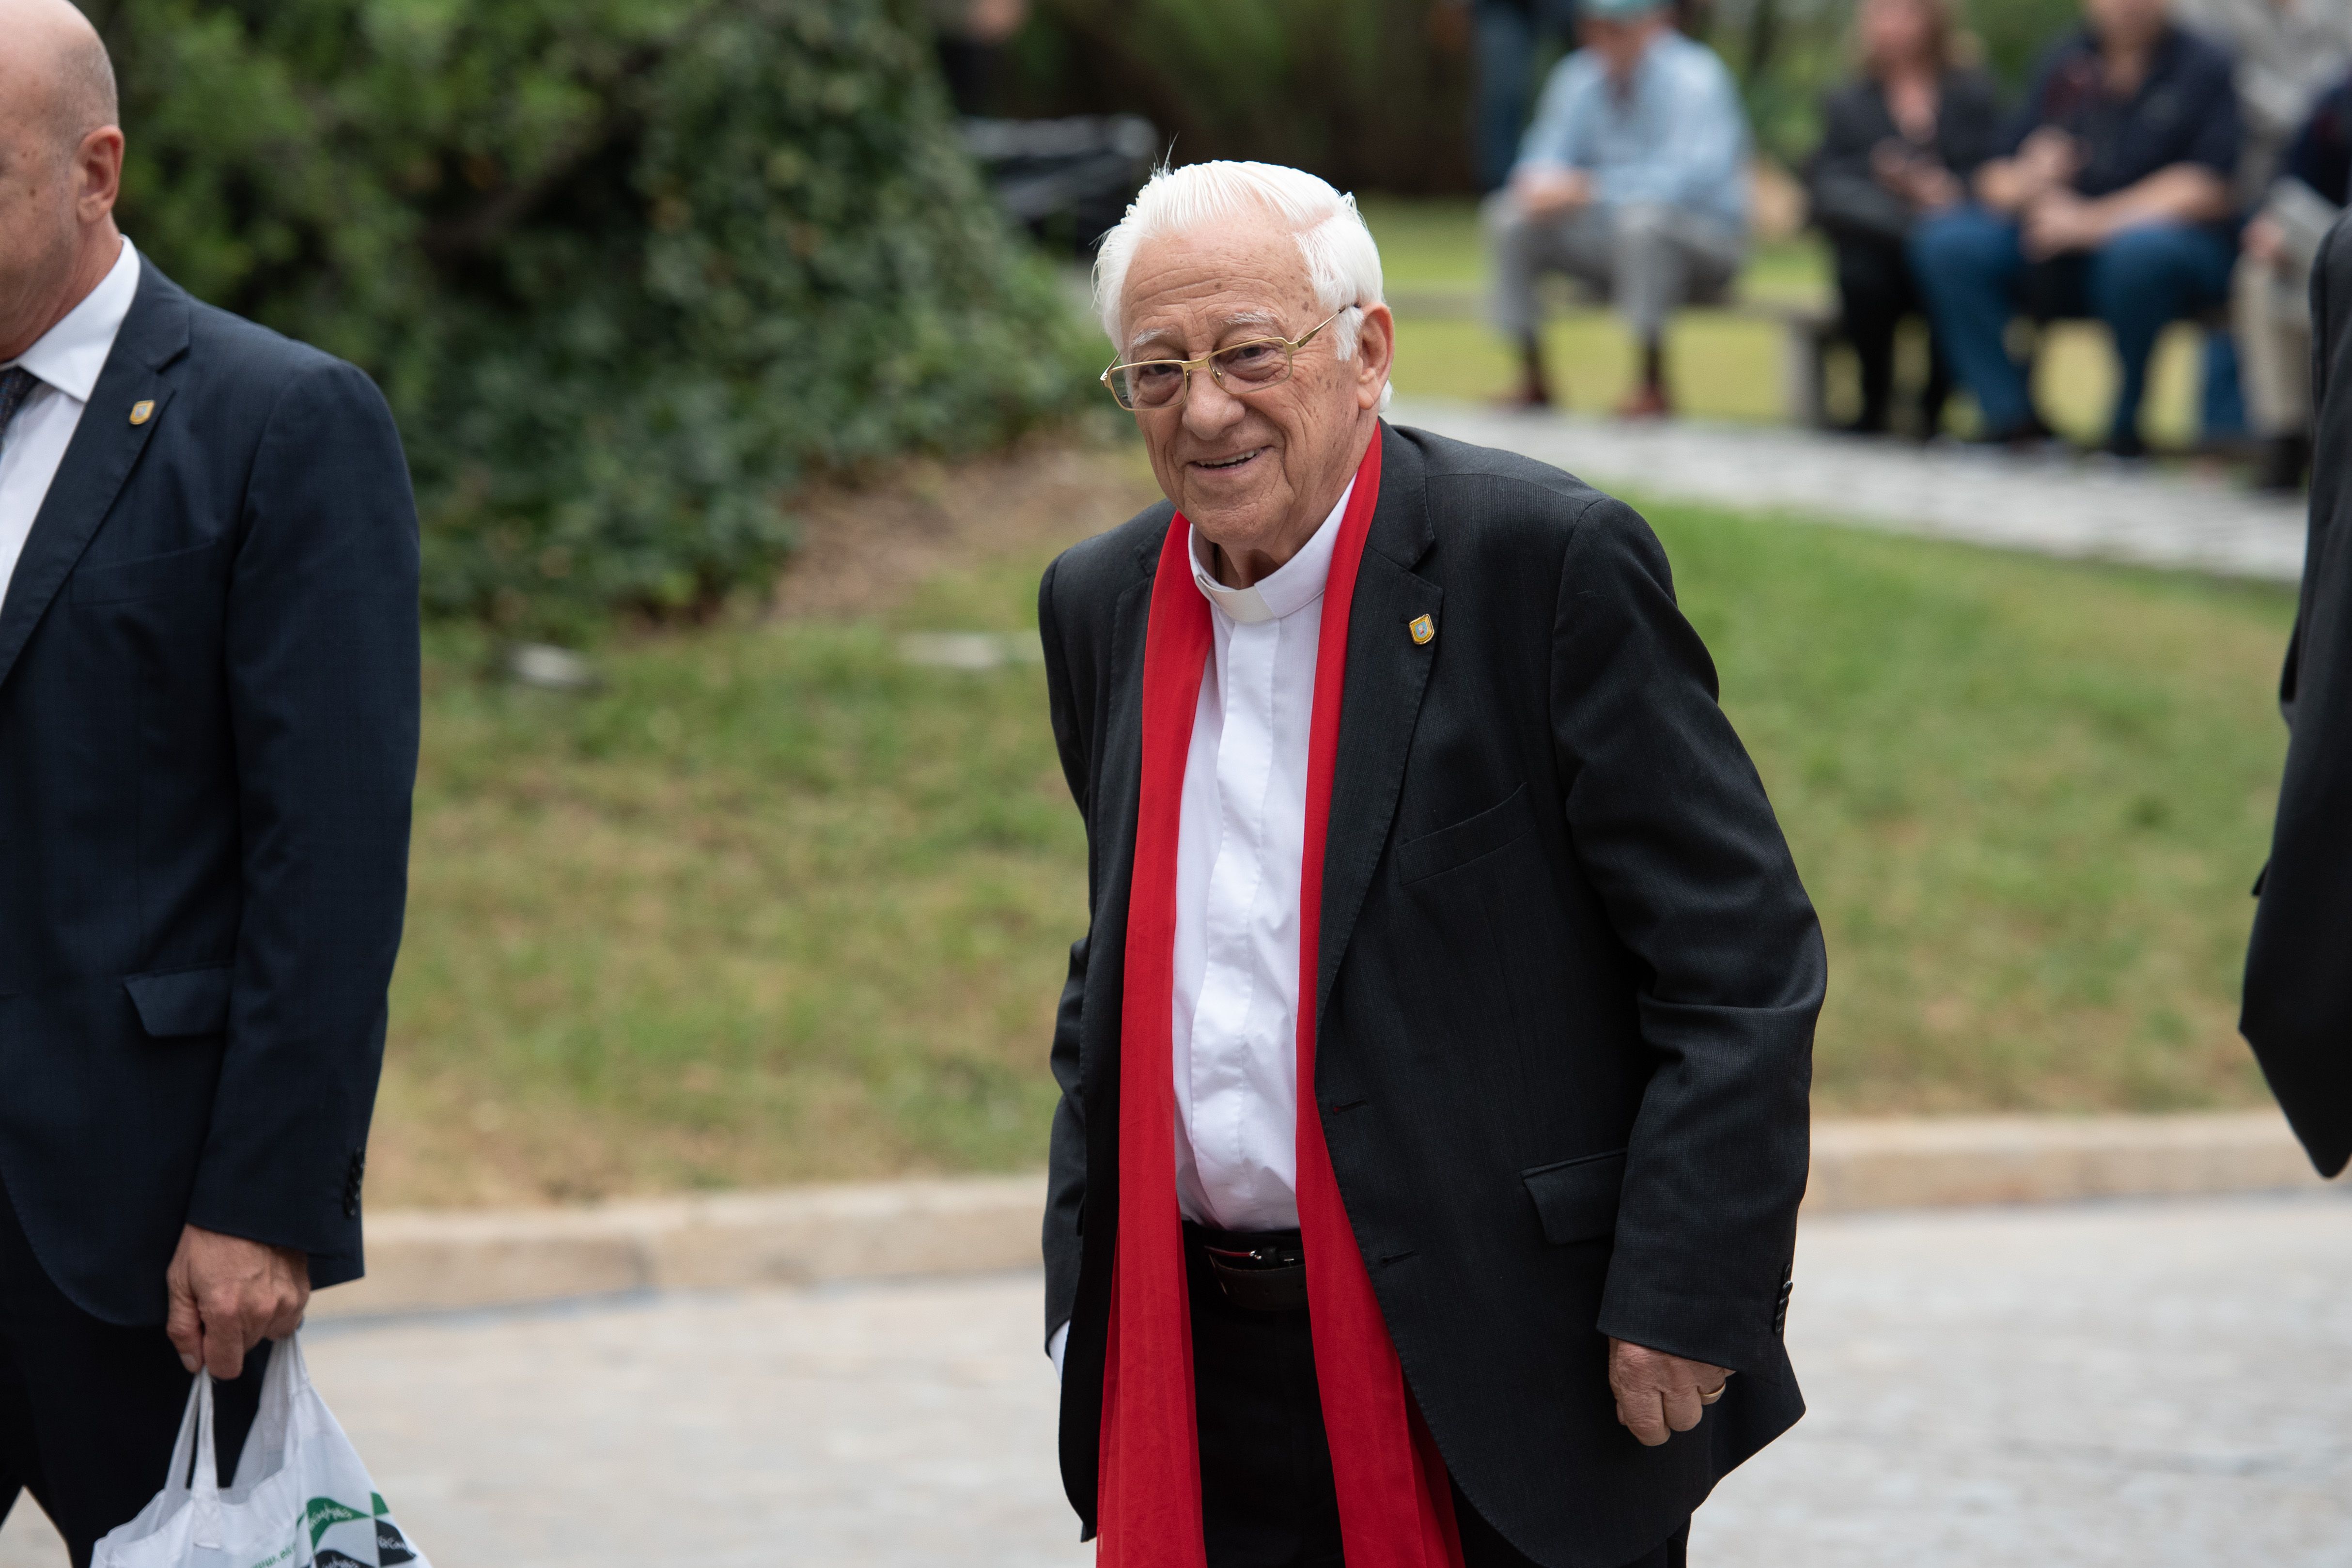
{"type": "Point", "coordinates": [1289, 588]}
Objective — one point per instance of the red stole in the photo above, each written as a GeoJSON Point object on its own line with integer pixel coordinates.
{"type": "Point", "coordinates": [1396, 1507]}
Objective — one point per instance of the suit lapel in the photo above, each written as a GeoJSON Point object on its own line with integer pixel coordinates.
{"type": "Point", "coordinates": [1387, 672]}
{"type": "Point", "coordinates": [105, 446]}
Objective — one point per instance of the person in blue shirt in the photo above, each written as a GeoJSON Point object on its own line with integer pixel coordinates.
{"type": "Point", "coordinates": [1633, 180]}
{"type": "Point", "coordinates": [2113, 201]}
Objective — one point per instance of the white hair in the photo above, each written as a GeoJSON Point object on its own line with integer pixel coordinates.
{"type": "Point", "coordinates": [1343, 262]}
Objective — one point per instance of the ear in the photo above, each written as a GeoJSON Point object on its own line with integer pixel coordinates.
{"type": "Point", "coordinates": [1375, 355]}
{"type": "Point", "coordinates": [97, 165]}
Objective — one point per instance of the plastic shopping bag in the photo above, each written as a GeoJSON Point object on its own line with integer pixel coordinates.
{"type": "Point", "coordinates": [301, 1497]}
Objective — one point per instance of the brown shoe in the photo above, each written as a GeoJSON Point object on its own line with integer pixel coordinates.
{"type": "Point", "coordinates": [1649, 402]}
{"type": "Point", "coordinates": [1527, 396]}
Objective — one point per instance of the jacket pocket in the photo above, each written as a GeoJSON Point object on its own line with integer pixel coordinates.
{"type": "Point", "coordinates": [1467, 839]}
{"type": "Point", "coordinates": [173, 1003]}
{"type": "Point", "coordinates": [1577, 1199]}
{"type": "Point", "coordinates": [148, 576]}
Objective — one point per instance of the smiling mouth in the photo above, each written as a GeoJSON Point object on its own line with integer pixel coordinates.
{"type": "Point", "coordinates": [1219, 463]}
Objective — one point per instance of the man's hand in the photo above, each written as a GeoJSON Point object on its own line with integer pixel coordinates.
{"type": "Point", "coordinates": [2049, 159]}
{"type": "Point", "coordinates": [2265, 240]}
{"type": "Point", "coordinates": [2062, 222]}
{"type": "Point", "coordinates": [2046, 162]}
{"type": "Point", "coordinates": [229, 1294]}
{"type": "Point", "coordinates": [1549, 191]}
{"type": "Point", "coordinates": [1659, 1394]}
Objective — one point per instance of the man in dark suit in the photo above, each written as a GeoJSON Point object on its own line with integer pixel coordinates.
{"type": "Point", "coordinates": [2299, 1006]}
{"type": "Point", "coordinates": [209, 711]}
{"type": "Point", "coordinates": [1435, 1067]}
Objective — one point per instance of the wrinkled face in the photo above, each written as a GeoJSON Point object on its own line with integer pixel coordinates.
{"type": "Point", "coordinates": [2127, 22]}
{"type": "Point", "coordinates": [1895, 32]}
{"type": "Point", "coordinates": [1255, 473]}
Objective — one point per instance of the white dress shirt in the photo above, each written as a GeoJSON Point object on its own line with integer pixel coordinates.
{"type": "Point", "coordinates": [1234, 1027]}
{"type": "Point", "coordinates": [1235, 1024]}
{"type": "Point", "coordinates": [68, 359]}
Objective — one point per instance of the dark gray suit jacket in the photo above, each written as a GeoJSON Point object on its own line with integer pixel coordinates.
{"type": "Point", "coordinates": [2298, 1000]}
{"type": "Point", "coordinates": [1566, 990]}
{"type": "Point", "coordinates": [208, 718]}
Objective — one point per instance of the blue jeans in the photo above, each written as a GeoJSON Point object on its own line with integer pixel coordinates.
{"type": "Point", "coordinates": [1976, 278]}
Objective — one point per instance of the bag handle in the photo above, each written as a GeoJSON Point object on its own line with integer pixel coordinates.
{"type": "Point", "coordinates": [205, 1486]}
{"type": "Point", "coordinates": [183, 1449]}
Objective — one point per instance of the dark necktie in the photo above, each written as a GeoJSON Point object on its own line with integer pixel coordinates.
{"type": "Point", "coordinates": [16, 384]}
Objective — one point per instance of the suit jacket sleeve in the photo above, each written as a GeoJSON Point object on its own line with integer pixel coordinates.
{"type": "Point", "coordinates": [1670, 822]}
{"type": "Point", "coordinates": [2298, 993]}
{"type": "Point", "coordinates": [323, 676]}
{"type": "Point", "coordinates": [1065, 1191]}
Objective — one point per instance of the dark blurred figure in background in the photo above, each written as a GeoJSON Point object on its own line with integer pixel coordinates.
{"type": "Point", "coordinates": [1065, 180]}
{"type": "Point", "coordinates": [2287, 52]}
{"type": "Point", "coordinates": [2271, 295]}
{"type": "Point", "coordinates": [1902, 142]}
{"type": "Point", "coordinates": [2113, 201]}
{"type": "Point", "coordinates": [1633, 180]}
{"type": "Point", "coordinates": [2270, 303]}
{"type": "Point", "coordinates": [971, 34]}
{"type": "Point", "coordinates": [1506, 37]}
{"type": "Point", "coordinates": [2298, 1007]}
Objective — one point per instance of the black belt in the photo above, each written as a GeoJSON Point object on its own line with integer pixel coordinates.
{"type": "Point", "coordinates": [1261, 1271]}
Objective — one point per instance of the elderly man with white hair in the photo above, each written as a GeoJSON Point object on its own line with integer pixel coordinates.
{"type": "Point", "coordinates": [1434, 1066]}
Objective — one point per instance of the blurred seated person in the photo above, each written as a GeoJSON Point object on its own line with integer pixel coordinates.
{"type": "Point", "coordinates": [1901, 142]}
{"type": "Point", "coordinates": [2286, 55]}
{"type": "Point", "coordinates": [2113, 202]}
{"type": "Point", "coordinates": [2288, 52]}
{"type": "Point", "coordinates": [970, 38]}
{"type": "Point", "coordinates": [1633, 180]}
{"type": "Point", "coordinates": [2270, 293]}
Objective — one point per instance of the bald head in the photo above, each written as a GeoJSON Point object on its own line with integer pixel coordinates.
{"type": "Point", "coordinates": [60, 167]}
{"type": "Point", "coordinates": [54, 66]}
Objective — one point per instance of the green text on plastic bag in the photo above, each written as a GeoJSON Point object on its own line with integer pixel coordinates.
{"type": "Point", "coordinates": [323, 1514]}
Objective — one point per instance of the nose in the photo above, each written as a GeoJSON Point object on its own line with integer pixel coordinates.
{"type": "Point", "coordinates": [1209, 409]}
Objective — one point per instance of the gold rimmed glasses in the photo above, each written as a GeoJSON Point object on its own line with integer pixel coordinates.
{"type": "Point", "coordinates": [1252, 366]}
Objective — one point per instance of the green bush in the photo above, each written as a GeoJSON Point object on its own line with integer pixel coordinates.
{"type": "Point", "coordinates": [627, 269]}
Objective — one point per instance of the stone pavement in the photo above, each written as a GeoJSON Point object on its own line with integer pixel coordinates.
{"type": "Point", "coordinates": [2161, 1384]}
{"type": "Point", "coordinates": [2056, 505]}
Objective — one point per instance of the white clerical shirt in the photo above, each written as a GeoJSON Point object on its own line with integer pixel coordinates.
{"type": "Point", "coordinates": [67, 359]}
{"type": "Point", "coordinates": [1235, 1029]}
{"type": "Point", "coordinates": [1242, 836]}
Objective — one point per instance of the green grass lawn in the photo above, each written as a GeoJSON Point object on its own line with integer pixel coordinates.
{"type": "Point", "coordinates": [1723, 365]}
{"type": "Point", "coordinates": [775, 905]}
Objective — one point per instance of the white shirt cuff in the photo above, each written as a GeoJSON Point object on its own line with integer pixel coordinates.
{"type": "Point", "coordinates": [1053, 1347]}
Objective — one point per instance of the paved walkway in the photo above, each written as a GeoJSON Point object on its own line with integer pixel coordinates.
{"type": "Point", "coordinates": [2060, 506]}
{"type": "Point", "coordinates": [2157, 1385]}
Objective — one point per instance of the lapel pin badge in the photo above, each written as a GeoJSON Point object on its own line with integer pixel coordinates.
{"type": "Point", "coordinates": [142, 411]}
{"type": "Point", "coordinates": [1423, 628]}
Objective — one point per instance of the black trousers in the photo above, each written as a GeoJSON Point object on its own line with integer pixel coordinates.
{"type": "Point", "coordinates": [1266, 1497]}
{"type": "Point", "coordinates": [89, 1410]}
{"type": "Point", "coordinates": [1875, 292]}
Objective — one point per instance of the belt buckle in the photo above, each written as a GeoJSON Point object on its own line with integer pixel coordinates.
{"type": "Point", "coordinates": [1259, 1279]}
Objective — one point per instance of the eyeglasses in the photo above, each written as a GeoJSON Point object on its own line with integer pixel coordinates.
{"type": "Point", "coordinates": [1250, 366]}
